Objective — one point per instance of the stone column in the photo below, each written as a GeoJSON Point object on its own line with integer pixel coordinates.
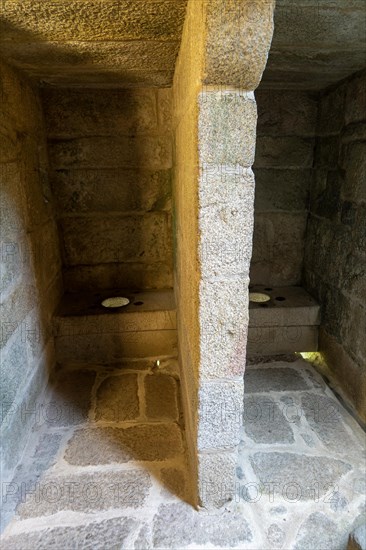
{"type": "Point", "coordinates": [223, 54]}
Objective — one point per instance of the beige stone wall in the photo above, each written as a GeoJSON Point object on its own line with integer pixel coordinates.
{"type": "Point", "coordinates": [283, 173]}
{"type": "Point", "coordinates": [214, 142]}
{"type": "Point", "coordinates": [30, 262]}
{"type": "Point", "coordinates": [335, 261]}
{"type": "Point", "coordinates": [111, 158]}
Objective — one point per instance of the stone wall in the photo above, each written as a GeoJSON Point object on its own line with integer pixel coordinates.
{"type": "Point", "coordinates": [214, 124]}
{"type": "Point", "coordinates": [30, 263]}
{"type": "Point", "coordinates": [335, 260]}
{"type": "Point", "coordinates": [111, 158]}
{"type": "Point", "coordinates": [283, 172]}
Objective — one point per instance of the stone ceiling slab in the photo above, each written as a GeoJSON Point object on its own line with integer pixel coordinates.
{"type": "Point", "coordinates": [91, 42]}
{"type": "Point", "coordinates": [316, 43]}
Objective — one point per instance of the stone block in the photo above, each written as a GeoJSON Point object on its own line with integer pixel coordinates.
{"type": "Point", "coordinates": [319, 530]}
{"type": "Point", "coordinates": [227, 123]}
{"type": "Point", "coordinates": [72, 113]}
{"type": "Point", "coordinates": [112, 532]}
{"type": "Point", "coordinates": [153, 153]}
{"type": "Point", "coordinates": [356, 99]}
{"type": "Point", "coordinates": [220, 414]}
{"type": "Point", "coordinates": [281, 189]}
{"type": "Point", "coordinates": [13, 368]}
{"type": "Point", "coordinates": [117, 398]}
{"type": "Point", "coordinates": [80, 278]}
{"type": "Point", "coordinates": [55, 21]}
{"type": "Point", "coordinates": [117, 239]}
{"type": "Point", "coordinates": [178, 525]}
{"type": "Point", "coordinates": [237, 43]}
{"type": "Point", "coordinates": [69, 399]}
{"type": "Point", "coordinates": [297, 476]}
{"type": "Point", "coordinates": [283, 152]}
{"type": "Point", "coordinates": [282, 340]}
{"type": "Point", "coordinates": [86, 493]}
{"type": "Point", "coordinates": [153, 442]}
{"type": "Point", "coordinates": [225, 184]}
{"type": "Point", "coordinates": [107, 348]}
{"type": "Point", "coordinates": [286, 113]}
{"type": "Point", "coordinates": [222, 251]}
{"type": "Point", "coordinates": [111, 190]}
{"type": "Point", "coordinates": [216, 478]}
{"type": "Point", "coordinates": [264, 422]}
{"type": "Point", "coordinates": [223, 327]}
{"type": "Point", "coordinates": [161, 397]}
{"type": "Point", "coordinates": [279, 378]}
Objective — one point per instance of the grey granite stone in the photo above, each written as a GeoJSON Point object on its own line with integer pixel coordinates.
{"type": "Point", "coordinates": [178, 525]}
{"type": "Point", "coordinates": [320, 532]}
{"type": "Point", "coordinates": [264, 422]}
{"type": "Point", "coordinates": [357, 539]}
{"type": "Point", "coordinates": [273, 379]}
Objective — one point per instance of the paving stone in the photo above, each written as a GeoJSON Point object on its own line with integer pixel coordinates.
{"type": "Point", "coordinates": [117, 398]}
{"type": "Point", "coordinates": [161, 397]}
{"type": "Point", "coordinates": [320, 532]}
{"type": "Point", "coordinates": [143, 540]}
{"type": "Point", "coordinates": [69, 402]}
{"type": "Point", "coordinates": [86, 493]}
{"type": "Point", "coordinates": [357, 539]}
{"type": "Point", "coordinates": [111, 534]}
{"type": "Point", "coordinates": [298, 477]}
{"type": "Point", "coordinates": [264, 422]}
{"type": "Point", "coordinates": [174, 482]}
{"type": "Point", "coordinates": [275, 535]}
{"type": "Point", "coordinates": [142, 442]}
{"type": "Point", "coordinates": [273, 379]}
{"type": "Point", "coordinates": [324, 416]}
{"type": "Point", "coordinates": [178, 525]}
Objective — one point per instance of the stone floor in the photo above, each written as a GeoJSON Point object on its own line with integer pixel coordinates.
{"type": "Point", "coordinates": [106, 468]}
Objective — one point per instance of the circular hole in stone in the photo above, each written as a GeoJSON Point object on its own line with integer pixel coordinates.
{"type": "Point", "coordinates": [138, 303]}
{"type": "Point", "coordinates": [280, 298]}
{"type": "Point", "coordinates": [268, 289]}
{"type": "Point", "coordinates": [115, 301]}
{"type": "Point", "coordinates": [258, 297]}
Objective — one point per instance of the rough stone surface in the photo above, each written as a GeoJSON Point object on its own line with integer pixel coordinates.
{"type": "Point", "coordinates": [88, 536]}
{"type": "Point", "coordinates": [95, 40]}
{"type": "Point", "coordinates": [174, 482]}
{"type": "Point", "coordinates": [315, 45]}
{"type": "Point", "coordinates": [336, 237]}
{"type": "Point", "coordinates": [70, 399]}
{"type": "Point", "coordinates": [86, 493]}
{"type": "Point", "coordinates": [176, 525]}
{"type": "Point", "coordinates": [318, 531]}
{"type": "Point", "coordinates": [30, 261]}
{"type": "Point", "coordinates": [117, 398]}
{"type": "Point", "coordinates": [161, 397]}
{"type": "Point", "coordinates": [276, 378]}
{"type": "Point", "coordinates": [264, 422]}
{"type": "Point", "coordinates": [108, 445]}
{"type": "Point", "coordinates": [297, 474]}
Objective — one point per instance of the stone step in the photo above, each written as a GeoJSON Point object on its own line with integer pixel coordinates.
{"type": "Point", "coordinates": [85, 331]}
{"type": "Point", "coordinates": [288, 322]}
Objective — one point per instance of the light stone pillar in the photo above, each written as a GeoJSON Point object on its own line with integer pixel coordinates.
{"type": "Point", "coordinates": [223, 54]}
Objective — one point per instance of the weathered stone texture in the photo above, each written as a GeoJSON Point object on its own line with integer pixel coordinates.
{"type": "Point", "coordinates": [94, 43]}
{"type": "Point", "coordinates": [111, 159]}
{"type": "Point", "coordinates": [30, 260]}
{"type": "Point", "coordinates": [283, 172]}
{"type": "Point", "coordinates": [161, 397]}
{"type": "Point", "coordinates": [335, 250]}
{"type": "Point", "coordinates": [117, 398]}
{"type": "Point", "coordinates": [108, 445]}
